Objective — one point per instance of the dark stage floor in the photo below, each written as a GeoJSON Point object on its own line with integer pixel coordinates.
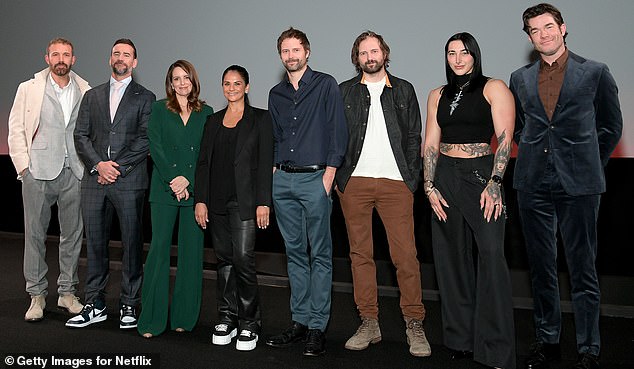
{"type": "Point", "coordinates": [194, 349]}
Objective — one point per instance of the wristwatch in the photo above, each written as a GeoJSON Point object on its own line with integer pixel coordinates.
{"type": "Point", "coordinates": [496, 179]}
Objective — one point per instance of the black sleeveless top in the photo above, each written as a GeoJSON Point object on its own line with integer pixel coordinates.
{"type": "Point", "coordinates": [465, 117]}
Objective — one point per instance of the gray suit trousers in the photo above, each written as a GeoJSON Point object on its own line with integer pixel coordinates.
{"type": "Point", "coordinates": [38, 198]}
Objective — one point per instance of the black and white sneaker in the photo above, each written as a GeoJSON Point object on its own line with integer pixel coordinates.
{"type": "Point", "coordinates": [246, 341]}
{"type": "Point", "coordinates": [127, 317]}
{"type": "Point", "coordinates": [89, 314]}
{"type": "Point", "coordinates": [223, 334]}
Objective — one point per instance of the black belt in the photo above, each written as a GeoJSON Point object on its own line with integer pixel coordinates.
{"type": "Point", "coordinates": [299, 168]}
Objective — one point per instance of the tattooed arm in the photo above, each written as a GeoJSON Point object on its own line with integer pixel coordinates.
{"type": "Point", "coordinates": [430, 156]}
{"type": "Point", "coordinates": [503, 112]}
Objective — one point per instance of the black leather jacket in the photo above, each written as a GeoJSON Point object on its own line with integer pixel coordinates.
{"type": "Point", "coordinates": [403, 120]}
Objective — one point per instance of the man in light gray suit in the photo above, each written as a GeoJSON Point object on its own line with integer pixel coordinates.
{"type": "Point", "coordinates": [41, 146]}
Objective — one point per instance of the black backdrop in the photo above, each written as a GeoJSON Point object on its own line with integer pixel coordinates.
{"type": "Point", "coordinates": [616, 225]}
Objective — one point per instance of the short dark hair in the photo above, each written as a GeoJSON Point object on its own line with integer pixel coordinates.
{"type": "Point", "coordinates": [126, 41]}
{"type": "Point", "coordinates": [242, 71]}
{"type": "Point", "coordinates": [293, 33]}
{"type": "Point", "coordinates": [354, 54]}
{"type": "Point", "coordinates": [193, 101]}
{"type": "Point", "coordinates": [60, 40]}
{"type": "Point", "coordinates": [539, 9]}
{"type": "Point", "coordinates": [476, 79]}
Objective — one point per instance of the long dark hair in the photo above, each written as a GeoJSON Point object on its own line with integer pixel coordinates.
{"type": "Point", "coordinates": [242, 71]}
{"type": "Point", "coordinates": [193, 101]}
{"type": "Point", "coordinates": [476, 78]}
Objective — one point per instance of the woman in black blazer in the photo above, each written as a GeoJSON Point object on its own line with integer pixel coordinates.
{"type": "Point", "coordinates": [233, 190]}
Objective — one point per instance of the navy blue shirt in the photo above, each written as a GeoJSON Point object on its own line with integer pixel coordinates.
{"type": "Point", "coordinates": [309, 125]}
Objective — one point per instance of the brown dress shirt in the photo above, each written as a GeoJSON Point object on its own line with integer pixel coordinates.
{"type": "Point", "coordinates": [551, 77]}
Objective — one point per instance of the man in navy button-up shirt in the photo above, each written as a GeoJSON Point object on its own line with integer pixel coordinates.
{"type": "Point", "coordinates": [310, 134]}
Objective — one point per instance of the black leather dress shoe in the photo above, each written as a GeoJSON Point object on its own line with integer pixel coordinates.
{"type": "Point", "coordinates": [315, 343]}
{"type": "Point", "coordinates": [587, 361]}
{"type": "Point", "coordinates": [459, 355]}
{"type": "Point", "coordinates": [296, 332]}
{"type": "Point", "coordinates": [541, 354]}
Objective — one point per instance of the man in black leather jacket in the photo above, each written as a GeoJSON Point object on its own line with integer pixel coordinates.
{"type": "Point", "coordinates": [381, 170]}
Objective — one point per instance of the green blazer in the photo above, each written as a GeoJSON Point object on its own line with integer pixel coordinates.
{"type": "Point", "coordinates": [174, 150]}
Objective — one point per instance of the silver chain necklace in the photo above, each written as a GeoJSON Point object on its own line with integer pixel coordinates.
{"type": "Point", "coordinates": [454, 103]}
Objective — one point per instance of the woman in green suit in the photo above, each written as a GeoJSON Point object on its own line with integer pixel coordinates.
{"type": "Point", "coordinates": [174, 130]}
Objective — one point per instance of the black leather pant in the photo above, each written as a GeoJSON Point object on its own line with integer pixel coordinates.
{"type": "Point", "coordinates": [234, 242]}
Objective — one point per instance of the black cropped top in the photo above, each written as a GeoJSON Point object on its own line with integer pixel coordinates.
{"type": "Point", "coordinates": [465, 117]}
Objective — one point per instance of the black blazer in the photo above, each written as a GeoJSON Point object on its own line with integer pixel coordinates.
{"type": "Point", "coordinates": [126, 135]}
{"type": "Point", "coordinates": [253, 160]}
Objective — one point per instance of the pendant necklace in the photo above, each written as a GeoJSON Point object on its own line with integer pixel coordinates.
{"type": "Point", "coordinates": [454, 104]}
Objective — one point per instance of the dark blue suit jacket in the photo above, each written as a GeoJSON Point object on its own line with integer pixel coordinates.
{"type": "Point", "coordinates": [126, 135]}
{"type": "Point", "coordinates": [585, 128]}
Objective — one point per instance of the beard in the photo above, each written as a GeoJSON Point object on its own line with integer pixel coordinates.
{"type": "Point", "coordinates": [120, 68]}
{"type": "Point", "coordinates": [298, 65]}
{"type": "Point", "coordinates": [378, 65]}
{"type": "Point", "coordinates": [60, 69]}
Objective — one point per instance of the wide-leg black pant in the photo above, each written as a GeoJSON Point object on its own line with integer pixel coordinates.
{"type": "Point", "coordinates": [476, 298]}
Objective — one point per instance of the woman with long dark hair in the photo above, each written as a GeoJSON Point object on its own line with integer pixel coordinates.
{"type": "Point", "coordinates": [233, 193]}
{"type": "Point", "coordinates": [463, 182]}
{"type": "Point", "coordinates": [174, 131]}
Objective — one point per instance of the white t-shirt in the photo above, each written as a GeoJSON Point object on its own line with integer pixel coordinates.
{"type": "Point", "coordinates": [377, 158]}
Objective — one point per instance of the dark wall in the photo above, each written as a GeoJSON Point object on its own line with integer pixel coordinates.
{"type": "Point", "coordinates": [615, 223]}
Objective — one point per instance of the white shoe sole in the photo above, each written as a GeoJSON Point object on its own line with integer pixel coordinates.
{"type": "Point", "coordinates": [246, 345]}
{"type": "Point", "coordinates": [85, 324]}
{"type": "Point", "coordinates": [224, 340]}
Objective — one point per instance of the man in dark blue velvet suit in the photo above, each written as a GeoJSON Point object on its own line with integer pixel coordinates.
{"type": "Point", "coordinates": [568, 122]}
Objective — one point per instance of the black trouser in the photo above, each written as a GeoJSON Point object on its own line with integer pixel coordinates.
{"type": "Point", "coordinates": [476, 299]}
{"type": "Point", "coordinates": [234, 242]}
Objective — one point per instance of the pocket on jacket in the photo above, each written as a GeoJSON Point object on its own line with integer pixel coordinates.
{"type": "Point", "coordinates": [586, 158]}
{"type": "Point", "coordinates": [39, 145]}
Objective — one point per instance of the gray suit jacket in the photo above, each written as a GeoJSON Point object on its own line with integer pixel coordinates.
{"type": "Point", "coordinates": [47, 147]}
{"type": "Point", "coordinates": [126, 135]}
{"type": "Point", "coordinates": [585, 128]}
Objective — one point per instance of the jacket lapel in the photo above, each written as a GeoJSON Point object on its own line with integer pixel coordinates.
{"type": "Point", "coordinates": [49, 91]}
{"type": "Point", "coordinates": [574, 74]}
{"type": "Point", "coordinates": [103, 101]}
{"type": "Point", "coordinates": [213, 125]}
{"type": "Point", "coordinates": [76, 96]}
{"type": "Point", "coordinates": [246, 125]}
{"type": "Point", "coordinates": [531, 81]}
